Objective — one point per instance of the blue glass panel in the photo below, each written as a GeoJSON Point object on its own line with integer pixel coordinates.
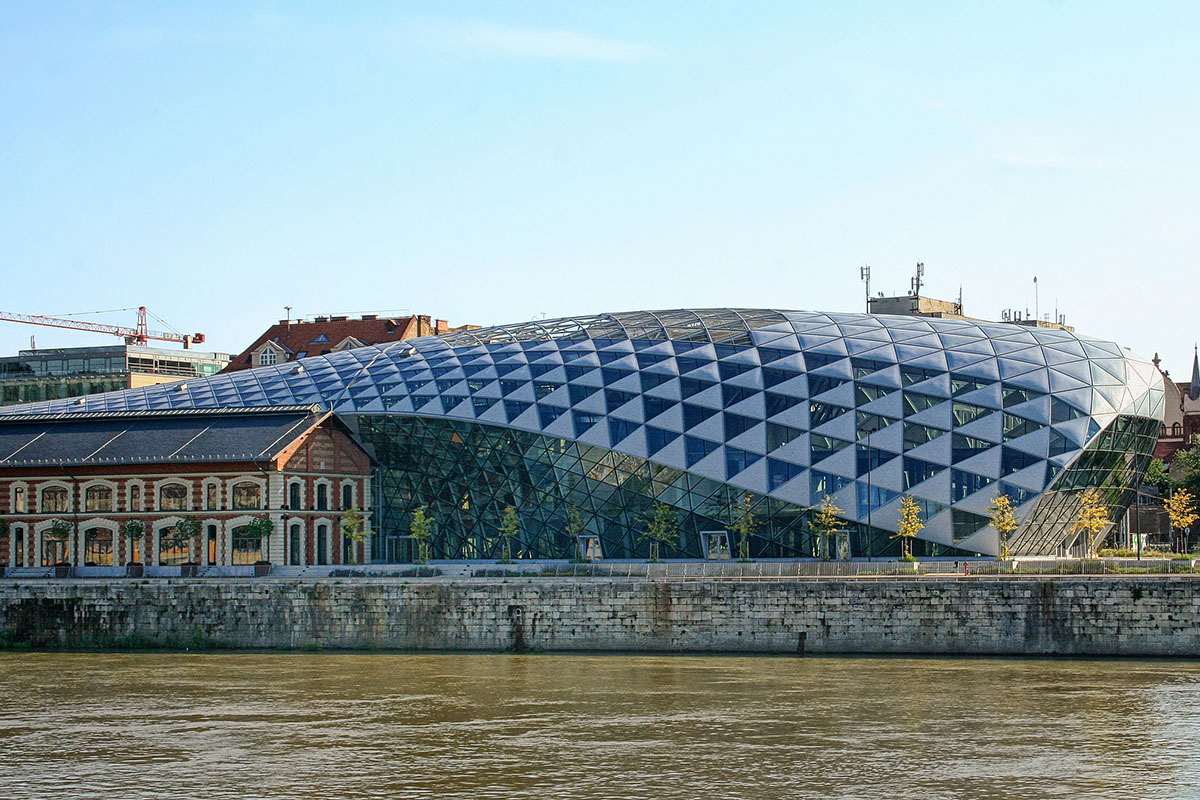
{"type": "Point", "coordinates": [575, 372]}
{"type": "Point", "coordinates": [778, 403]}
{"type": "Point", "coordinates": [508, 387]}
{"type": "Point", "coordinates": [780, 472]}
{"type": "Point", "coordinates": [614, 399]}
{"type": "Point", "coordinates": [547, 414]}
{"type": "Point", "coordinates": [729, 370]}
{"type": "Point", "coordinates": [579, 393]}
{"type": "Point", "coordinates": [773, 377]}
{"type": "Point", "coordinates": [963, 483]}
{"type": "Point", "coordinates": [822, 483]}
{"type": "Point", "coordinates": [916, 471]}
{"type": "Point", "coordinates": [514, 409]}
{"type": "Point", "coordinates": [612, 374]}
{"type": "Point", "coordinates": [735, 394]}
{"type": "Point", "coordinates": [619, 429]}
{"type": "Point", "coordinates": [657, 439]}
{"type": "Point", "coordinates": [653, 406]}
{"type": "Point", "coordinates": [693, 386]}
{"type": "Point", "coordinates": [737, 460]}
{"type": "Point", "coordinates": [693, 415]}
{"type": "Point", "coordinates": [696, 449]}
{"type": "Point", "coordinates": [584, 420]}
{"type": "Point", "coordinates": [737, 424]}
{"type": "Point", "coordinates": [652, 379]}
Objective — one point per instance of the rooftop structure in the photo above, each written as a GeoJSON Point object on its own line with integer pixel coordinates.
{"type": "Point", "coordinates": [722, 412]}
{"type": "Point", "coordinates": [289, 340]}
{"type": "Point", "coordinates": [67, 372]}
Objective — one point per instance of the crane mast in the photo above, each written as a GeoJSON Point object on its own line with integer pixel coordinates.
{"type": "Point", "coordinates": [141, 334]}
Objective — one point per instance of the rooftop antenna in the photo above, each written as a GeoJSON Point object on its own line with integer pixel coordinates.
{"type": "Point", "coordinates": [288, 309]}
{"type": "Point", "coordinates": [960, 305]}
{"type": "Point", "coordinates": [864, 273]}
{"type": "Point", "coordinates": [1036, 311]}
{"type": "Point", "coordinates": [916, 281]}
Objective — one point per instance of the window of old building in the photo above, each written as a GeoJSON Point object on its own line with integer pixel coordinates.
{"type": "Point", "coordinates": [98, 548]}
{"type": "Point", "coordinates": [172, 497]}
{"type": "Point", "coordinates": [247, 496]}
{"type": "Point", "coordinates": [19, 500]}
{"type": "Point", "coordinates": [294, 494]}
{"type": "Point", "coordinates": [98, 498]}
{"type": "Point", "coordinates": [322, 497]}
{"type": "Point", "coordinates": [135, 498]}
{"type": "Point", "coordinates": [267, 358]}
{"type": "Point", "coordinates": [172, 547]}
{"type": "Point", "coordinates": [212, 544]}
{"type": "Point", "coordinates": [54, 500]}
{"type": "Point", "coordinates": [347, 496]}
{"type": "Point", "coordinates": [249, 549]}
{"type": "Point", "coordinates": [322, 544]}
{"type": "Point", "coordinates": [210, 496]}
{"type": "Point", "coordinates": [54, 549]}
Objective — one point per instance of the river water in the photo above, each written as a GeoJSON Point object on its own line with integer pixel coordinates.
{"type": "Point", "coordinates": [304, 725]}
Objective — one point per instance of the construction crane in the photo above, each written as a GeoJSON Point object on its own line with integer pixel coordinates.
{"type": "Point", "coordinates": [137, 335]}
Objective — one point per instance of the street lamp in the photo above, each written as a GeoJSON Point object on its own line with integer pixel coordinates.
{"type": "Point", "coordinates": [870, 538]}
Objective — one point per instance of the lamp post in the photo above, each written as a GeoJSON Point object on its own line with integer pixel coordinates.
{"type": "Point", "coordinates": [287, 537]}
{"type": "Point", "coordinates": [870, 538]}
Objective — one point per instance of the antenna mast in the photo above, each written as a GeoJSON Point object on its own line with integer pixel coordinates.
{"type": "Point", "coordinates": [864, 272]}
{"type": "Point", "coordinates": [916, 281]}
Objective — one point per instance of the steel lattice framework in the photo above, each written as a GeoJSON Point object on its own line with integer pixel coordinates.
{"type": "Point", "coordinates": [712, 409]}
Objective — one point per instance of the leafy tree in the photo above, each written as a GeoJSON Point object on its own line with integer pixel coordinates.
{"type": "Point", "coordinates": [826, 522]}
{"type": "Point", "coordinates": [186, 530]}
{"type": "Point", "coordinates": [662, 527]}
{"type": "Point", "coordinates": [420, 527]}
{"type": "Point", "coordinates": [61, 529]}
{"type": "Point", "coordinates": [574, 528]}
{"type": "Point", "coordinates": [745, 523]}
{"type": "Point", "coordinates": [354, 529]}
{"type": "Point", "coordinates": [1004, 520]}
{"type": "Point", "coordinates": [1186, 465]}
{"type": "Point", "coordinates": [510, 528]}
{"type": "Point", "coordinates": [133, 530]}
{"type": "Point", "coordinates": [258, 528]}
{"type": "Point", "coordinates": [1090, 518]}
{"type": "Point", "coordinates": [1157, 476]}
{"type": "Point", "coordinates": [1181, 509]}
{"type": "Point", "coordinates": [909, 526]}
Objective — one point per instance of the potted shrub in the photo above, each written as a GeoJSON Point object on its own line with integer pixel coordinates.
{"type": "Point", "coordinates": [186, 530]}
{"type": "Point", "coordinates": [61, 529]}
{"type": "Point", "coordinates": [259, 528]}
{"type": "Point", "coordinates": [134, 530]}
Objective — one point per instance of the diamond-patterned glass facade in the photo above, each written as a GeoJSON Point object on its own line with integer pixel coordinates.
{"type": "Point", "coordinates": [703, 408]}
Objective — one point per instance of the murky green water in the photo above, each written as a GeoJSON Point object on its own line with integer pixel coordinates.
{"type": "Point", "coordinates": [350, 726]}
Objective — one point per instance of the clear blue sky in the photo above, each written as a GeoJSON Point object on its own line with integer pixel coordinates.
{"type": "Point", "coordinates": [491, 162]}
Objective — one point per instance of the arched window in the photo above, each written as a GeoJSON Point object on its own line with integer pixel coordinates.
{"type": "Point", "coordinates": [295, 543]}
{"type": "Point", "coordinates": [322, 544]}
{"type": "Point", "coordinates": [135, 498]}
{"type": "Point", "coordinates": [266, 358]}
{"type": "Point", "coordinates": [54, 500]}
{"type": "Point", "coordinates": [54, 549]}
{"type": "Point", "coordinates": [212, 544]}
{"type": "Point", "coordinates": [249, 549]}
{"type": "Point", "coordinates": [322, 497]}
{"type": "Point", "coordinates": [210, 496]}
{"type": "Point", "coordinates": [98, 498]}
{"type": "Point", "coordinates": [97, 547]}
{"type": "Point", "coordinates": [172, 497]}
{"type": "Point", "coordinates": [294, 495]}
{"type": "Point", "coordinates": [19, 547]}
{"type": "Point", "coordinates": [172, 547]}
{"type": "Point", "coordinates": [247, 495]}
{"type": "Point", "coordinates": [347, 496]}
{"type": "Point", "coordinates": [1177, 429]}
{"type": "Point", "coordinates": [19, 500]}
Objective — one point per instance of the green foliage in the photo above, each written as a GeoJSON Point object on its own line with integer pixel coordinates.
{"type": "Point", "coordinates": [420, 528]}
{"type": "Point", "coordinates": [1003, 520]}
{"type": "Point", "coordinates": [187, 528]}
{"type": "Point", "coordinates": [1090, 518]}
{"type": "Point", "coordinates": [661, 527]}
{"type": "Point", "coordinates": [354, 529]}
{"type": "Point", "coordinates": [825, 523]}
{"type": "Point", "coordinates": [745, 523]}
{"type": "Point", "coordinates": [1157, 476]}
{"type": "Point", "coordinates": [258, 528]}
{"type": "Point", "coordinates": [60, 528]}
{"type": "Point", "coordinates": [133, 530]}
{"type": "Point", "coordinates": [908, 526]}
{"type": "Point", "coordinates": [574, 527]}
{"type": "Point", "coordinates": [510, 528]}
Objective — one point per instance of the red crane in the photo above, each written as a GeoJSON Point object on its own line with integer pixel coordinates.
{"type": "Point", "coordinates": [138, 335]}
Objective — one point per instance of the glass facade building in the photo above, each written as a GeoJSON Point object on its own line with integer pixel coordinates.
{"type": "Point", "coordinates": [716, 411]}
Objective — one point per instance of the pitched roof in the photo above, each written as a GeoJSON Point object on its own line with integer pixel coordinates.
{"type": "Point", "coordinates": [154, 437]}
{"type": "Point", "coordinates": [302, 338]}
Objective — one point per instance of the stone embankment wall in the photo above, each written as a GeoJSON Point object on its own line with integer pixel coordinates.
{"type": "Point", "coordinates": [1142, 616]}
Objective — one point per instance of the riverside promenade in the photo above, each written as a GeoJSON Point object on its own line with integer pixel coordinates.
{"type": "Point", "coordinates": [871, 608]}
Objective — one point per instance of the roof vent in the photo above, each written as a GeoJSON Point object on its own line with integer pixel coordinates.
{"type": "Point", "coordinates": [181, 387]}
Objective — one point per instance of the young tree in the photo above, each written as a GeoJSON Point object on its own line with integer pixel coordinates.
{"type": "Point", "coordinates": [1003, 520]}
{"type": "Point", "coordinates": [1157, 476]}
{"type": "Point", "coordinates": [354, 530]}
{"type": "Point", "coordinates": [909, 525]}
{"type": "Point", "coordinates": [826, 522]}
{"type": "Point", "coordinates": [186, 530]}
{"type": "Point", "coordinates": [1091, 518]}
{"type": "Point", "coordinates": [574, 528]}
{"type": "Point", "coordinates": [745, 523]}
{"type": "Point", "coordinates": [510, 528]}
{"type": "Point", "coordinates": [61, 529]}
{"type": "Point", "coordinates": [133, 530]}
{"type": "Point", "coordinates": [1181, 509]}
{"type": "Point", "coordinates": [662, 527]}
{"type": "Point", "coordinates": [420, 528]}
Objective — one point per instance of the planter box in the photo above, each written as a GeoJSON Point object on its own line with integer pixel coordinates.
{"type": "Point", "coordinates": [189, 570]}
{"type": "Point", "coordinates": [262, 570]}
{"type": "Point", "coordinates": [62, 570]}
{"type": "Point", "coordinates": [135, 570]}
